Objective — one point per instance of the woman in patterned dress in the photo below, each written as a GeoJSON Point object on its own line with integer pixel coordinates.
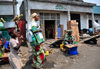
{"type": "Point", "coordinates": [38, 57]}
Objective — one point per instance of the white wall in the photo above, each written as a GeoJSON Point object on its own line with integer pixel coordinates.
{"type": "Point", "coordinates": [63, 20]}
{"type": "Point", "coordinates": [52, 6]}
{"type": "Point", "coordinates": [84, 21]}
{"type": "Point", "coordinates": [63, 16]}
{"type": "Point", "coordinates": [18, 6]}
{"type": "Point", "coordinates": [81, 9]}
{"type": "Point", "coordinates": [96, 17]}
{"type": "Point", "coordinates": [6, 10]}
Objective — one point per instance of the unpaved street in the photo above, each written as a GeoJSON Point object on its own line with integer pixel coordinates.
{"type": "Point", "coordinates": [88, 58]}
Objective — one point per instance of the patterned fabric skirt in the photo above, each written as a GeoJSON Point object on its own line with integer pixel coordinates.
{"type": "Point", "coordinates": [38, 57]}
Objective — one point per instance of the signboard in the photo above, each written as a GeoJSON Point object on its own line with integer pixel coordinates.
{"type": "Point", "coordinates": [59, 7]}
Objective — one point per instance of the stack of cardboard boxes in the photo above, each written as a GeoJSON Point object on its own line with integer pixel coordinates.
{"type": "Point", "coordinates": [73, 25]}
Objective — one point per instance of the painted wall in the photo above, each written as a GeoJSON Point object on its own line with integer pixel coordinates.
{"type": "Point", "coordinates": [81, 9]}
{"type": "Point", "coordinates": [96, 9]}
{"type": "Point", "coordinates": [57, 7]}
{"type": "Point", "coordinates": [84, 21]}
{"type": "Point", "coordinates": [34, 5]}
{"type": "Point", "coordinates": [6, 10]}
{"type": "Point", "coordinates": [96, 17]}
{"type": "Point", "coordinates": [63, 20]}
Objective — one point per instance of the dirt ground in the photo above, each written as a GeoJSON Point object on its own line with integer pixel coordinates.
{"type": "Point", "coordinates": [88, 57]}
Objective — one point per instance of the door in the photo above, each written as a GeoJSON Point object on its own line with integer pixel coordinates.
{"type": "Point", "coordinates": [77, 18]}
{"type": "Point", "coordinates": [49, 29]}
{"type": "Point", "coordinates": [90, 24]}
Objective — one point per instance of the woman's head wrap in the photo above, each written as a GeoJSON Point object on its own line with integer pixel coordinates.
{"type": "Point", "coordinates": [33, 15]}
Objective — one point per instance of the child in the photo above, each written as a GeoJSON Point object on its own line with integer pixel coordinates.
{"type": "Point", "coordinates": [69, 39]}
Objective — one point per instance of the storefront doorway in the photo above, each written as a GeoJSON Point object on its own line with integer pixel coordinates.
{"type": "Point", "coordinates": [90, 24]}
{"type": "Point", "coordinates": [49, 29]}
{"type": "Point", "coordinates": [77, 18]}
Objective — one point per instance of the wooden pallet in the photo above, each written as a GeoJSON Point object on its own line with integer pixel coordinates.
{"type": "Point", "coordinates": [71, 46]}
{"type": "Point", "coordinates": [91, 37]}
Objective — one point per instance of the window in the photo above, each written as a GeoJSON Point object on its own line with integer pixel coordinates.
{"type": "Point", "coordinates": [96, 21]}
{"type": "Point", "coordinates": [50, 16]}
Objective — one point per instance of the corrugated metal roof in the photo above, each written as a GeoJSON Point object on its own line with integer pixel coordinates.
{"type": "Point", "coordinates": [96, 9]}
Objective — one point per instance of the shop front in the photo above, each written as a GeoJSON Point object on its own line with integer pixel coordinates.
{"type": "Point", "coordinates": [54, 14]}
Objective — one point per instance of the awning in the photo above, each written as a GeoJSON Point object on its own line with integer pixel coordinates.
{"type": "Point", "coordinates": [96, 24]}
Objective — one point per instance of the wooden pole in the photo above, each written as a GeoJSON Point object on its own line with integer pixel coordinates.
{"type": "Point", "coordinates": [69, 16]}
{"type": "Point", "coordinates": [93, 20]}
{"type": "Point", "coordinates": [14, 8]}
